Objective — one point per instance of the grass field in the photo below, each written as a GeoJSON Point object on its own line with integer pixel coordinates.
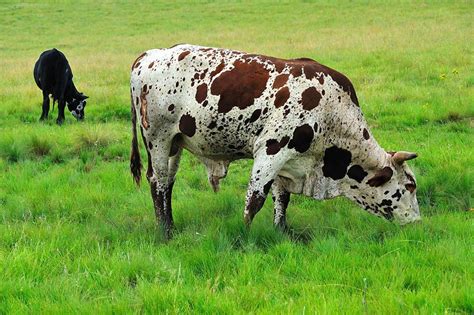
{"type": "Point", "coordinates": [77, 236]}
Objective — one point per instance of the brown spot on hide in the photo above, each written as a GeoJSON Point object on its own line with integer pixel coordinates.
{"type": "Point", "coordinates": [280, 80]}
{"type": "Point", "coordinates": [274, 146]}
{"type": "Point", "coordinates": [217, 70]}
{"type": "Point", "coordinates": [302, 138]}
{"type": "Point", "coordinates": [240, 86]}
{"type": "Point", "coordinates": [281, 97]}
{"type": "Point", "coordinates": [310, 98]}
{"type": "Point", "coordinates": [284, 141]}
{"type": "Point", "coordinates": [187, 125]}
{"type": "Point", "coordinates": [397, 195]}
{"type": "Point", "coordinates": [136, 63]}
{"type": "Point", "coordinates": [255, 115]}
{"type": "Point", "coordinates": [321, 80]}
{"type": "Point", "coordinates": [183, 55]}
{"type": "Point", "coordinates": [212, 125]}
{"type": "Point", "coordinates": [267, 186]}
{"type": "Point", "coordinates": [151, 65]}
{"type": "Point", "coordinates": [296, 70]}
{"type": "Point", "coordinates": [171, 107]}
{"type": "Point", "coordinates": [201, 93]}
{"type": "Point", "coordinates": [366, 134]}
{"type": "Point", "coordinates": [313, 69]}
{"type": "Point", "coordinates": [357, 173]}
{"type": "Point", "coordinates": [336, 161]}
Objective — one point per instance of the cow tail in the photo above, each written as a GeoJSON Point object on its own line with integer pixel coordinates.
{"type": "Point", "coordinates": [135, 162]}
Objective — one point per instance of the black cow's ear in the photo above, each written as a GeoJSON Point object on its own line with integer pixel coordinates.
{"type": "Point", "coordinates": [84, 97]}
{"type": "Point", "coordinates": [381, 177]}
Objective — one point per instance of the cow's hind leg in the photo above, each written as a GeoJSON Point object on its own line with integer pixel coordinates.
{"type": "Point", "coordinates": [173, 164]}
{"type": "Point", "coordinates": [161, 177]}
{"type": "Point", "coordinates": [264, 171]}
{"type": "Point", "coordinates": [281, 198]}
{"type": "Point", "coordinates": [44, 114]}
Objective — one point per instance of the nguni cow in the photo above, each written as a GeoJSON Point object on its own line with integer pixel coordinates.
{"type": "Point", "coordinates": [53, 76]}
{"type": "Point", "coordinates": [299, 121]}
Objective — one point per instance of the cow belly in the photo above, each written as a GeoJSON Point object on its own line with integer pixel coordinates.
{"type": "Point", "coordinates": [216, 151]}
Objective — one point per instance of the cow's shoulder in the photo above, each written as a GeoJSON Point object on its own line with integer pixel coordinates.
{"type": "Point", "coordinates": [313, 69]}
{"type": "Point", "coordinates": [310, 69]}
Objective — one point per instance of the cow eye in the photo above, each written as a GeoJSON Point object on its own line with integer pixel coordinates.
{"type": "Point", "coordinates": [410, 187]}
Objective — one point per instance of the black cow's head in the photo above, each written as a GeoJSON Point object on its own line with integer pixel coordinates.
{"type": "Point", "coordinates": [77, 105]}
{"type": "Point", "coordinates": [389, 192]}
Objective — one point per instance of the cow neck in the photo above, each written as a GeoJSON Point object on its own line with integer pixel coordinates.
{"type": "Point", "coordinates": [71, 92]}
{"type": "Point", "coordinates": [349, 136]}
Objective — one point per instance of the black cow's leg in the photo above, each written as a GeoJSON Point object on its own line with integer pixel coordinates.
{"type": "Point", "coordinates": [61, 106]}
{"type": "Point", "coordinates": [265, 169]}
{"type": "Point", "coordinates": [44, 114]}
{"type": "Point", "coordinates": [281, 198]}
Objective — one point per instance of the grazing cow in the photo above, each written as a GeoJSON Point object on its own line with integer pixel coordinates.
{"type": "Point", "coordinates": [299, 120]}
{"type": "Point", "coordinates": [53, 76]}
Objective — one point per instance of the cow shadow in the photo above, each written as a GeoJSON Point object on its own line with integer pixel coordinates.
{"type": "Point", "coordinates": [244, 239]}
{"type": "Point", "coordinates": [302, 236]}
{"type": "Point", "coordinates": [239, 238]}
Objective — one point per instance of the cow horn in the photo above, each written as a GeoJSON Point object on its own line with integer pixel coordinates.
{"type": "Point", "coordinates": [402, 156]}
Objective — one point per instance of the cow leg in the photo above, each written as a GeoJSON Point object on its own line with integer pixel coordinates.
{"type": "Point", "coordinates": [173, 164]}
{"type": "Point", "coordinates": [61, 106]}
{"type": "Point", "coordinates": [281, 198]}
{"type": "Point", "coordinates": [160, 187]}
{"type": "Point", "coordinates": [44, 114]}
{"type": "Point", "coordinates": [264, 171]}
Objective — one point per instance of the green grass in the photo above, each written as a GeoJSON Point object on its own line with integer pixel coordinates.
{"type": "Point", "coordinates": [77, 236]}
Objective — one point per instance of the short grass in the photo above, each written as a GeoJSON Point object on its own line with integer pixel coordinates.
{"type": "Point", "coordinates": [77, 236]}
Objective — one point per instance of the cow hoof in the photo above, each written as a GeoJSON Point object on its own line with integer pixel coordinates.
{"type": "Point", "coordinates": [59, 121]}
{"type": "Point", "coordinates": [168, 233]}
{"type": "Point", "coordinates": [283, 227]}
{"type": "Point", "coordinates": [248, 221]}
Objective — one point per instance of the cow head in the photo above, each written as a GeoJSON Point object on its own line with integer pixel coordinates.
{"type": "Point", "coordinates": [389, 192]}
{"type": "Point", "coordinates": [77, 105]}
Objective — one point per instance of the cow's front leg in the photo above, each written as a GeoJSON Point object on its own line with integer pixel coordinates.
{"type": "Point", "coordinates": [265, 169]}
{"type": "Point", "coordinates": [45, 111]}
{"type": "Point", "coordinates": [61, 106]}
{"type": "Point", "coordinates": [281, 198]}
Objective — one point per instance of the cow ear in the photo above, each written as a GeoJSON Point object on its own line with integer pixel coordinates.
{"type": "Point", "coordinates": [402, 156]}
{"type": "Point", "coordinates": [381, 177]}
{"type": "Point", "coordinates": [84, 97]}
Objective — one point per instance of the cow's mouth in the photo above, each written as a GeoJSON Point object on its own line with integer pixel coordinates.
{"type": "Point", "coordinates": [77, 115]}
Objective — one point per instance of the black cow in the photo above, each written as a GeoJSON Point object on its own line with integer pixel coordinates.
{"type": "Point", "coordinates": [53, 76]}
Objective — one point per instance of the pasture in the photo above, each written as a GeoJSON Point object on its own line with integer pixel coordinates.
{"type": "Point", "coordinates": [76, 235]}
